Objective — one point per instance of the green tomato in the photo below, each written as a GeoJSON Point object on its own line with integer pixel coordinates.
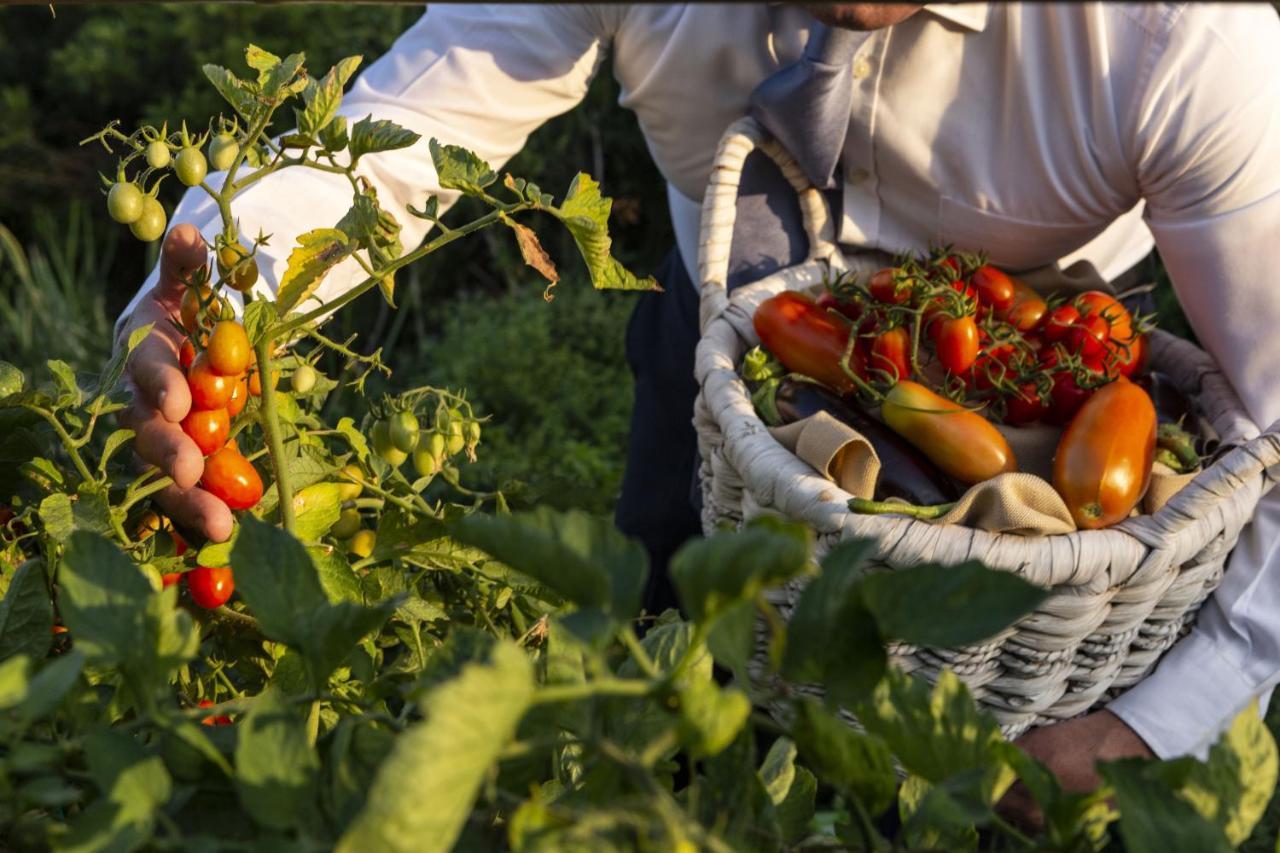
{"type": "Point", "coordinates": [303, 379]}
{"type": "Point", "coordinates": [361, 544]}
{"type": "Point", "coordinates": [436, 444]}
{"type": "Point", "coordinates": [158, 154]}
{"type": "Point", "coordinates": [471, 432]}
{"type": "Point", "coordinates": [404, 431]}
{"type": "Point", "coordinates": [383, 446]}
{"type": "Point", "coordinates": [350, 482]}
{"type": "Point", "coordinates": [347, 525]}
{"type": "Point", "coordinates": [424, 462]}
{"type": "Point", "coordinates": [125, 202]}
{"type": "Point", "coordinates": [222, 151]}
{"type": "Point", "coordinates": [190, 166]}
{"type": "Point", "coordinates": [456, 441]}
{"type": "Point", "coordinates": [150, 225]}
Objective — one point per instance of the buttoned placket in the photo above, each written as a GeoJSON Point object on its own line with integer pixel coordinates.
{"type": "Point", "coordinates": [860, 223]}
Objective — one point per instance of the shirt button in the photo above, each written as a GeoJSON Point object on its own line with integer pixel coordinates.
{"type": "Point", "coordinates": [857, 176]}
{"type": "Point", "coordinates": [861, 69]}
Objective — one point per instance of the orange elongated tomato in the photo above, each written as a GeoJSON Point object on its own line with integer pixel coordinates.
{"type": "Point", "coordinates": [232, 479]}
{"type": "Point", "coordinates": [1026, 309]}
{"type": "Point", "coordinates": [806, 338]}
{"type": "Point", "coordinates": [963, 444]}
{"type": "Point", "coordinates": [1103, 464]}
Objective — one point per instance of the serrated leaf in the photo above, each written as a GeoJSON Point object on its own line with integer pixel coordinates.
{"type": "Point", "coordinates": [323, 97]}
{"type": "Point", "coordinates": [51, 685]}
{"type": "Point", "coordinates": [114, 370]}
{"type": "Point", "coordinates": [444, 759]}
{"type": "Point", "coordinates": [231, 88]}
{"type": "Point", "coordinates": [337, 578]}
{"type": "Point", "coordinates": [317, 252]}
{"type": "Point", "coordinates": [354, 437]}
{"type": "Point", "coordinates": [460, 169]}
{"type": "Point", "coordinates": [279, 79]}
{"type": "Point", "coordinates": [65, 378]}
{"type": "Point", "coordinates": [585, 212]}
{"type": "Point", "coordinates": [26, 613]}
{"type": "Point", "coordinates": [580, 556]}
{"type": "Point", "coordinates": [531, 250]}
{"type": "Point", "coordinates": [334, 136]}
{"type": "Point", "coordinates": [260, 60]}
{"type": "Point", "coordinates": [259, 315]}
{"type": "Point", "coordinates": [276, 765]}
{"type": "Point", "coordinates": [134, 785]}
{"type": "Point", "coordinates": [370, 137]}
{"type": "Point", "coordinates": [947, 605]}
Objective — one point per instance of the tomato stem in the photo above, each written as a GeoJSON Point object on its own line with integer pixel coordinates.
{"type": "Point", "coordinates": [270, 420]}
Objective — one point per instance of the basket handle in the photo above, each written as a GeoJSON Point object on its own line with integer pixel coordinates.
{"type": "Point", "coordinates": [719, 211]}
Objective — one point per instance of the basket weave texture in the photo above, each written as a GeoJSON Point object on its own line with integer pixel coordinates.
{"type": "Point", "coordinates": [1119, 598]}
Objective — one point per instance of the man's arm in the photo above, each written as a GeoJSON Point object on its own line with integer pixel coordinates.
{"type": "Point", "coordinates": [1208, 145]}
{"type": "Point", "coordinates": [480, 76]}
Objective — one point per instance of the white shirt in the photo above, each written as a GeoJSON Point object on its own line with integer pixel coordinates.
{"type": "Point", "coordinates": [1036, 132]}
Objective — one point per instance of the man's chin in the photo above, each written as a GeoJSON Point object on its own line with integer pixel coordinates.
{"type": "Point", "coordinates": [862, 16]}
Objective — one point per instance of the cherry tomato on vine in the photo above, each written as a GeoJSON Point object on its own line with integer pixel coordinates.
{"type": "Point", "coordinates": [385, 447]}
{"type": "Point", "coordinates": [150, 226]}
{"type": "Point", "coordinates": [228, 348]}
{"type": "Point", "coordinates": [991, 367]}
{"type": "Point", "coordinates": [362, 543]}
{"type": "Point", "coordinates": [303, 379]}
{"type": "Point", "coordinates": [403, 430]}
{"type": "Point", "coordinates": [232, 479]}
{"type": "Point", "coordinates": [168, 579]}
{"type": "Point", "coordinates": [125, 202]}
{"type": "Point", "coordinates": [1066, 398]}
{"type": "Point", "coordinates": [158, 154]}
{"type": "Point", "coordinates": [189, 310]}
{"type": "Point", "coordinates": [239, 396]}
{"type": "Point", "coordinates": [889, 286]}
{"type": "Point", "coordinates": [347, 525]}
{"type": "Point", "coordinates": [891, 353]}
{"type": "Point", "coordinates": [208, 428]}
{"type": "Point", "coordinates": [209, 389]}
{"type": "Point", "coordinates": [350, 479]}
{"type": "Point", "coordinates": [1026, 406]}
{"type": "Point", "coordinates": [455, 441]}
{"type": "Point", "coordinates": [218, 720]}
{"type": "Point", "coordinates": [190, 166]}
{"type": "Point", "coordinates": [237, 266]}
{"type": "Point", "coordinates": [210, 586]}
{"type": "Point", "coordinates": [1027, 310]}
{"type": "Point", "coordinates": [1089, 337]}
{"type": "Point", "coordinates": [186, 353]}
{"type": "Point", "coordinates": [223, 150]}
{"type": "Point", "coordinates": [1056, 325]}
{"type": "Point", "coordinates": [956, 339]}
{"type": "Point", "coordinates": [995, 289]}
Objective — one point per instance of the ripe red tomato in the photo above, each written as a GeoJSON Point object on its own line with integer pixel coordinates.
{"type": "Point", "coordinates": [228, 348]}
{"type": "Point", "coordinates": [208, 428]}
{"type": "Point", "coordinates": [890, 286]}
{"type": "Point", "coordinates": [1089, 337]}
{"type": "Point", "coordinates": [170, 578]}
{"type": "Point", "coordinates": [1026, 406]}
{"type": "Point", "coordinates": [209, 389]}
{"type": "Point", "coordinates": [187, 353]}
{"type": "Point", "coordinates": [1027, 309]}
{"type": "Point", "coordinates": [806, 339]}
{"type": "Point", "coordinates": [239, 396]}
{"type": "Point", "coordinates": [212, 720]}
{"type": "Point", "coordinates": [210, 587]}
{"type": "Point", "coordinates": [231, 478]}
{"type": "Point", "coordinates": [1057, 324]}
{"type": "Point", "coordinates": [891, 352]}
{"type": "Point", "coordinates": [995, 289]}
{"type": "Point", "coordinates": [991, 367]}
{"type": "Point", "coordinates": [1066, 398]}
{"type": "Point", "coordinates": [1133, 360]}
{"type": "Point", "coordinates": [956, 339]}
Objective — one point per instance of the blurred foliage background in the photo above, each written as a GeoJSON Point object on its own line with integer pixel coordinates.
{"type": "Point", "coordinates": [552, 375]}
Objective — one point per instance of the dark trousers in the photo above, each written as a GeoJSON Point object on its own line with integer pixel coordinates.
{"type": "Point", "coordinates": [657, 501]}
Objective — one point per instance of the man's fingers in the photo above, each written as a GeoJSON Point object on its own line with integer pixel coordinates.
{"type": "Point", "coordinates": [159, 379]}
{"type": "Point", "coordinates": [184, 250]}
{"type": "Point", "coordinates": [198, 511]}
{"type": "Point", "coordinates": [164, 445]}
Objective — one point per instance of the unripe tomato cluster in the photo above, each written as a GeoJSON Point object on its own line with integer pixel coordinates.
{"type": "Point", "coordinates": [359, 541]}
{"type": "Point", "coordinates": [400, 435]}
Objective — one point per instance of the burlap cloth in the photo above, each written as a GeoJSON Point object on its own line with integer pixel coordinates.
{"type": "Point", "coordinates": [1023, 503]}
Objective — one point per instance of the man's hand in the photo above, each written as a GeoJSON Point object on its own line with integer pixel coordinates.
{"type": "Point", "coordinates": [161, 398]}
{"type": "Point", "coordinates": [1072, 750]}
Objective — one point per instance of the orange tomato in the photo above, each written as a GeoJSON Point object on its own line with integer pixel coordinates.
{"type": "Point", "coordinates": [805, 338]}
{"type": "Point", "coordinates": [208, 428]}
{"type": "Point", "coordinates": [239, 396]}
{"type": "Point", "coordinates": [232, 479]}
{"type": "Point", "coordinates": [228, 348]}
{"type": "Point", "coordinates": [1103, 464]}
{"type": "Point", "coordinates": [209, 389]}
{"type": "Point", "coordinates": [189, 310]}
{"type": "Point", "coordinates": [1027, 308]}
{"type": "Point", "coordinates": [963, 444]}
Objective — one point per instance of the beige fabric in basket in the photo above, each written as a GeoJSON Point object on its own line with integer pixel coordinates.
{"type": "Point", "coordinates": [1023, 504]}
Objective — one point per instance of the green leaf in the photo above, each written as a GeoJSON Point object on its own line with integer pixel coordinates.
{"type": "Point", "coordinates": [337, 578]}
{"type": "Point", "coordinates": [850, 760]}
{"type": "Point", "coordinates": [316, 508]}
{"type": "Point", "coordinates": [778, 771]}
{"type": "Point", "coordinates": [580, 556]}
{"type": "Point", "coordinates": [832, 639]}
{"type": "Point", "coordinates": [280, 79]}
{"type": "Point", "coordinates": [937, 733]}
{"type": "Point", "coordinates": [103, 600]}
{"type": "Point", "coordinates": [260, 60]}
{"type": "Point", "coordinates": [15, 681]}
{"type": "Point", "coordinates": [134, 785]}
{"type": "Point", "coordinates": [1153, 818]}
{"type": "Point", "coordinates": [711, 717]}
{"type": "Point", "coordinates": [585, 212]}
{"type": "Point", "coordinates": [713, 574]}
{"type": "Point", "coordinates": [323, 97]}
{"type": "Point", "coordinates": [732, 637]}
{"type": "Point", "coordinates": [792, 790]}
{"type": "Point", "coordinates": [65, 378]}
{"type": "Point", "coordinates": [231, 88]}
{"type": "Point", "coordinates": [317, 252]}
{"type": "Point", "coordinates": [26, 613]}
{"type": "Point", "coordinates": [370, 137]}
{"type": "Point", "coordinates": [275, 575]}
{"type": "Point", "coordinates": [45, 692]}
{"type": "Point", "coordinates": [947, 605]}
{"type": "Point", "coordinates": [276, 765]}
{"type": "Point", "coordinates": [259, 315]}
{"type": "Point", "coordinates": [443, 760]}
{"type": "Point", "coordinates": [460, 169]}
{"type": "Point", "coordinates": [933, 820]}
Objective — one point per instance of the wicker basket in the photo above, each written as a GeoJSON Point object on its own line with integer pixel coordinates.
{"type": "Point", "coordinates": [1119, 597]}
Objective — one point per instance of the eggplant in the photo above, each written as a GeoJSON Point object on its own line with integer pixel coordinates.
{"type": "Point", "coordinates": [905, 473]}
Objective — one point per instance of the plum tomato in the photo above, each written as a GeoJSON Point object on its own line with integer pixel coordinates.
{"type": "Point", "coordinates": [209, 389]}
{"type": "Point", "coordinates": [956, 340]}
{"type": "Point", "coordinates": [210, 586]}
{"type": "Point", "coordinates": [889, 286]}
{"type": "Point", "coordinates": [403, 429]}
{"type": "Point", "coordinates": [232, 479]}
{"type": "Point", "coordinates": [208, 428]}
{"type": "Point", "coordinates": [239, 396]}
{"type": "Point", "coordinates": [891, 353]}
{"type": "Point", "coordinates": [228, 348]}
{"type": "Point", "coordinates": [995, 289]}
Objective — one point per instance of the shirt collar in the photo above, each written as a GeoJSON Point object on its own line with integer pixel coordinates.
{"type": "Point", "coordinates": [971, 16]}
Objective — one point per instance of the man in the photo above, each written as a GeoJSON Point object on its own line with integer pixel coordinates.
{"type": "Point", "coordinates": [1040, 133]}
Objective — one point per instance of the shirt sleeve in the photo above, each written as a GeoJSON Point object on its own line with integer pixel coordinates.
{"type": "Point", "coordinates": [483, 76]}
{"type": "Point", "coordinates": [1207, 141]}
